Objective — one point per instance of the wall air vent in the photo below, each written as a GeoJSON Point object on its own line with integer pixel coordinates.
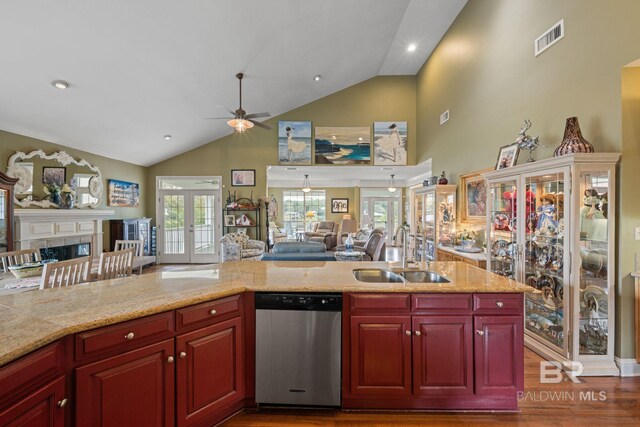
{"type": "Point", "coordinates": [444, 117]}
{"type": "Point", "coordinates": [549, 38]}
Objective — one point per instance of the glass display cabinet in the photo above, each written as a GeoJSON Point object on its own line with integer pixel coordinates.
{"type": "Point", "coordinates": [551, 225]}
{"type": "Point", "coordinates": [6, 212]}
{"type": "Point", "coordinates": [435, 219]}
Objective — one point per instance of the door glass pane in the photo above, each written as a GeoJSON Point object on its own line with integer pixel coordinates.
{"type": "Point", "coordinates": [502, 210]}
{"type": "Point", "coordinates": [4, 242]}
{"type": "Point", "coordinates": [429, 230]}
{"type": "Point", "coordinates": [380, 214]}
{"type": "Point", "coordinates": [544, 257]}
{"type": "Point", "coordinates": [188, 183]}
{"type": "Point", "coordinates": [173, 224]}
{"type": "Point", "coordinates": [203, 224]}
{"type": "Point", "coordinates": [594, 253]}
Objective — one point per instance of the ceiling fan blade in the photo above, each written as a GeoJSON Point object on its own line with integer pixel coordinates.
{"type": "Point", "coordinates": [260, 124]}
{"type": "Point", "coordinates": [219, 118]}
{"type": "Point", "coordinates": [256, 115]}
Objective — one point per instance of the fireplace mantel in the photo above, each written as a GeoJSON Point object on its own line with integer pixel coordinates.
{"type": "Point", "coordinates": [38, 228]}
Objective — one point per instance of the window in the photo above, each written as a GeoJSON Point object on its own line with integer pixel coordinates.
{"type": "Point", "coordinates": [297, 208]}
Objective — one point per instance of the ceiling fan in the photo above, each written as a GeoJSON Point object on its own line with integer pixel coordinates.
{"type": "Point", "coordinates": [241, 121]}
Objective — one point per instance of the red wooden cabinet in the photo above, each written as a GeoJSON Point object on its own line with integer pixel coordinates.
{"type": "Point", "coordinates": [132, 389]}
{"type": "Point", "coordinates": [42, 408]}
{"type": "Point", "coordinates": [499, 358]}
{"type": "Point", "coordinates": [442, 355]}
{"type": "Point", "coordinates": [210, 373]}
{"type": "Point", "coordinates": [381, 355]}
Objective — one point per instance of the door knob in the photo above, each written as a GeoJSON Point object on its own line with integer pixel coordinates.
{"type": "Point", "coordinates": [170, 359]}
{"type": "Point", "coordinates": [183, 355]}
{"type": "Point", "coordinates": [479, 332]}
{"type": "Point", "coordinates": [499, 304]}
{"type": "Point", "coordinates": [418, 333]}
{"type": "Point", "coordinates": [62, 403]}
{"type": "Point", "coordinates": [408, 333]}
{"type": "Point", "coordinates": [213, 312]}
{"type": "Point", "coordinates": [130, 336]}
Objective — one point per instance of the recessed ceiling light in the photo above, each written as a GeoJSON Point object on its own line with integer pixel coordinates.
{"type": "Point", "coordinates": [412, 47]}
{"type": "Point", "coordinates": [317, 77]}
{"type": "Point", "coordinates": [60, 84]}
{"type": "Point", "coordinates": [167, 137]}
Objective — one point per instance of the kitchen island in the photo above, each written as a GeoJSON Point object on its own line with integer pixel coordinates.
{"type": "Point", "coordinates": [84, 334]}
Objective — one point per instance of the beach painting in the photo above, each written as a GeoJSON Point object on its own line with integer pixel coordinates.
{"type": "Point", "coordinates": [390, 143]}
{"type": "Point", "coordinates": [343, 145]}
{"type": "Point", "coordinates": [294, 143]}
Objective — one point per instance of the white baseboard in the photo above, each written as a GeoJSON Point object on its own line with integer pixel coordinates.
{"type": "Point", "coordinates": [628, 367]}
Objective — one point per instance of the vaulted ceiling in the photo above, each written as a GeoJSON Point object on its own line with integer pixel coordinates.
{"type": "Point", "coordinates": [139, 70]}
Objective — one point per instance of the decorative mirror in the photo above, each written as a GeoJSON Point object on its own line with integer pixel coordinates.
{"type": "Point", "coordinates": [54, 180]}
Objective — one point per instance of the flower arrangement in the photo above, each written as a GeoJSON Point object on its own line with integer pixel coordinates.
{"type": "Point", "coordinates": [60, 195]}
{"type": "Point", "coordinates": [467, 238]}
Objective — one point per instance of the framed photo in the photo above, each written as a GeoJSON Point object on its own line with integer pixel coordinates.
{"type": "Point", "coordinates": [54, 175]}
{"type": "Point", "coordinates": [243, 177]}
{"type": "Point", "coordinates": [241, 230]}
{"type": "Point", "coordinates": [390, 143]}
{"type": "Point", "coordinates": [473, 194]}
{"type": "Point", "coordinates": [508, 156]}
{"type": "Point", "coordinates": [123, 193]}
{"type": "Point", "coordinates": [339, 205]}
{"type": "Point", "coordinates": [229, 220]}
{"type": "Point", "coordinates": [294, 143]}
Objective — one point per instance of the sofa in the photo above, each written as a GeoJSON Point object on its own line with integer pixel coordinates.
{"type": "Point", "coordinates": [299, 251]}
{"type": "Point", "coordinates": [374, 247]}
{"type": "Point", "coordinates": [324, 232]}
{"type": "Point", "coordinates": [239, 247]}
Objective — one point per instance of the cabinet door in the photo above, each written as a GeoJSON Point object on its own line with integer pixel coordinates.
{"type": "Point", "coordinates": [381, 355]}
{"type": "Point", "coordinates": [39, 409]}
{"type": "Point", "coordinates": [132, 389]}
{"type": "Point", "coordinates": [499, 355]}
{"type": "Point", "coordinates": [210, 372]}
{"type": "Point", "coordinates": [442, 355]}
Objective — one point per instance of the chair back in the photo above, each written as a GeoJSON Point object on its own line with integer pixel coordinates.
{"type": "Point", "coordinates": [65, 273]}
{"type": "Point", "coordinates": [373, 246]}
{"type": "Point", "coordinates": [19, 257]}
{"type": "Point", "coordinates": [326, 227]}
{"type": "Point", "coordinates": [115, 264]}
{"type": "Point", "coordinates": [137, 245]}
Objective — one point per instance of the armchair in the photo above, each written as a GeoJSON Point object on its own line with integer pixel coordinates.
{"type": "Point", "coordinates": [374, 247]}
{"type": "Point", "coordinates": [324, 232]}
{"type": "Point", "coordinates": [238, 247]}
{"type": "Point", "coordinates": [276, 234]}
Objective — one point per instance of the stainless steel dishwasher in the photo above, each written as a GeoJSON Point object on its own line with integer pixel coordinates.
{"type": "Point", "coordinates": [298, 343]}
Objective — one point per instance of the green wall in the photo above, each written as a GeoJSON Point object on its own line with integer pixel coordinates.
{"type": "Point", "coordinates": [110, 169]}
{"type": "Point", "coordinates": [485, 72]}
{"type": "Point", "coordinates": [382, 98]}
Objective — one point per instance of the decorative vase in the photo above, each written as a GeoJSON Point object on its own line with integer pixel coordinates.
{"type": "Point", "coordinates": [443, 179]}
{"type": "Point", "coordinates": [573, 142]}
{"type": "Point", "coordinates": [348, 244]}
{"type": "Point", "coordinates": [54, 198]}
{"type": "Point", "coordinates": [66, 201]}
{"type": "Point", "coordinates": [467, 243]}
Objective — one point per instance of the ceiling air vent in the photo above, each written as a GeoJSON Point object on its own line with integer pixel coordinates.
{"type": "Point", "coordinates": [549, 38]}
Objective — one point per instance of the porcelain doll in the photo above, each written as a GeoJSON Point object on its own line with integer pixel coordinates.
{"type": "Point", "coordinates": [547, 215]}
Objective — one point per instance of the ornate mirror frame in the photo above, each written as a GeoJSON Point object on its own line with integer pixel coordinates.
{"type": "Point", "coordinates": [25, 179]}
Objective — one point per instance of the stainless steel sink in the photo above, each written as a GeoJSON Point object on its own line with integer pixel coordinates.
{"type": "Point", "coordinates": [376, 275]}
{"type": "Point", "coordinates": [419, 276]}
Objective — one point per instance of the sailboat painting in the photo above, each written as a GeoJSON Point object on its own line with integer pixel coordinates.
{"type": "Point", "coordinates": [294, 143]}
{"type": "Point", "coordinates": [343, 145]}
{"type": "Point", "coordinates": [390, 143]}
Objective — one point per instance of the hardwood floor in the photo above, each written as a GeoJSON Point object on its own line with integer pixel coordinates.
{"type": "Point", "coordinates": [542, 405]}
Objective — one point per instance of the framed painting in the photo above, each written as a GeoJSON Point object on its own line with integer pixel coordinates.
{"type": "Point", "coordinates": [294, 143]}
{"type": "Point", "coordinates": [390, 143]}
{"type": "Point", "coordinates": [243, 177]}
{"type": "Point", "coordinates": [339, 205]}
{"type": "Point", "coordinates": [508, 156]}
{"type": "Point", "coordinates": [229, 220]}
{"type": "Point", "coordinates": [123, 193]}
{"type": "Point", "coordinates": [52, 175]}
{"type": "Point", "coordinates": [473, 194]}
{"type": "Point", "coordinates": [343, 146]}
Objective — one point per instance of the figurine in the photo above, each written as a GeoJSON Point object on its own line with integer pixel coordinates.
{"type": "Point", "coordinates": [526, 142]}
{"type": "Point", "coordinates": [547, 215]}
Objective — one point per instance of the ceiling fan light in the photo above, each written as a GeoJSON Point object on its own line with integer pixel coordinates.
{"type": "Point", "coordinates": [240, 125]}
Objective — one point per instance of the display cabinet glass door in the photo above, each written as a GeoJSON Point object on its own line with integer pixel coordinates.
{"type": "Point", "coordinates": [593, 297]}
{"type": "Point", "coordinates": [4, 225]}
{"type": "Point", "coordinates": [429, 229]}
{"type": "Point", "coordinates": [544, 255]}
{"type": "Point", "coordinates": [503, 237]}
{"type": "Point", "coordinates": [446, 219]}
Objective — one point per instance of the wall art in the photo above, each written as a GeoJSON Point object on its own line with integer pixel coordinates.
{"type": "Point", "coordinates": [343, 146]}
{"type": "Point", "coordinates": [294, 143]}
{"type": "Point", "coordinates": [390, 143]}
{"type": "Point", "coordinates": [123, 194]}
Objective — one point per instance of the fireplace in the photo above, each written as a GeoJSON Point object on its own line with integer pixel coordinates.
{"type": "Point", "coordinates": [65, 252]}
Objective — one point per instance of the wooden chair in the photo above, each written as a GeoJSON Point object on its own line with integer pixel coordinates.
{"type": "Point", "coordinates": [115, 264]}
{"type": "Point", "coordinates": [137, 245]}
{"type": "Point", "coordinates": [19, 257]}
{"type": "Point", "coordinates": [66, 273]}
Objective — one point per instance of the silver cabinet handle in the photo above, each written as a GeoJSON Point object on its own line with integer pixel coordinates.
{"type": "Point", "coordinates": [170, 359]}
{"type": "Point", "coordinates": [408, 333]}
{"type": "Point", "coordinates": [479, 332]}
{"type": "Point", "coordinates": [62, 403]}
{"type": "Point", "coordinates": [183, 355]}
{"type": "Point", "coordinates": [130, 336]}
{"type": "Point", "coordinates": [213, 312]}
{"type": "Point", "coordinates": [499, 304]}
{"type": "Point", "coordinates": [418, 333]}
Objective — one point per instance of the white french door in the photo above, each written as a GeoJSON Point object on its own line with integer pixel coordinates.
{"type": "Point", "coordinates": [384, 212]}
{"type": "Point", "coordinates": [189, 223]}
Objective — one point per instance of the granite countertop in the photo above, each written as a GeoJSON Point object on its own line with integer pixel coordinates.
{"type": "Point", "coordinates": [476, 256]}
{"type": "Point", "coordinates": [30, 320]}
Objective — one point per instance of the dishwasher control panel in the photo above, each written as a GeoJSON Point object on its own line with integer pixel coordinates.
{"type": "Point", "coordinates": [298, 301]}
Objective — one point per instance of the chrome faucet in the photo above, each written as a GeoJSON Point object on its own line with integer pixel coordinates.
{"type": "Point", "coordinates": [404, 230]}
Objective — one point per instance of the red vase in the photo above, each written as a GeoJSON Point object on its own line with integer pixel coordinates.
{"type": "Point", "coordinates": [573, 142]}
{"type": "Point", "coordinates": [443, 180]}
